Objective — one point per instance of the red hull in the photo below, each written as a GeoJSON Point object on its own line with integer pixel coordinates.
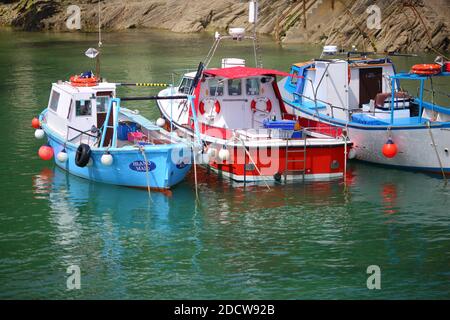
{"type": "Point", "coordinates": [322, 162]}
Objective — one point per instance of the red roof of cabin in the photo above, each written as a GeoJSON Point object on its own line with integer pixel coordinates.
{"type": "Point", "coordinates": [244, 72]}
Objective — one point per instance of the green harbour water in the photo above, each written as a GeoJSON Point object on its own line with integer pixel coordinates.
{"type": "Point", "coordinates": [310, 240]}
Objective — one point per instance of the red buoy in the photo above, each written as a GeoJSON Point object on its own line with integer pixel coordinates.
{"type": "Point", "coordinates": [390, 149]}
{"type": "Point", "coordinates": [46, 152]}
{"type": "Point", "coordinates": [35, 123]}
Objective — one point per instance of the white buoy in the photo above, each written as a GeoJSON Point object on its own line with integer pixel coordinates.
{"type": "Point", "coordinates": [202, 158]}
{"type": "Point", "coordinates": [107, 159]}
{"type": "Point", "coordinates": [352, 154]}
{"type": "Point", "coordinates": [224, 154]}
{"type": "Point", "coordinates": [212, 153]}
{"type": "Point", "coordinates": [62, 156]}
{"type": "Point", "coordinates": [160, 122]}
{"type": "Point", "coordinates": [39, 134]}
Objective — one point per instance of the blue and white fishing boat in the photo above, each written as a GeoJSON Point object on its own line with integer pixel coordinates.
{"type": "Point", "coordinates": [93, 137]}
{"type": "Point", "coordinates": [386, 124]}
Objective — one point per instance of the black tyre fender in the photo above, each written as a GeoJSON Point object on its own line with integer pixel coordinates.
{"type": "Point", "coordinates": [83, 155]}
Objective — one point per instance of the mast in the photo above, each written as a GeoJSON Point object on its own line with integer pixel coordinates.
{"type": "Point", "coordinates": [97, 64]}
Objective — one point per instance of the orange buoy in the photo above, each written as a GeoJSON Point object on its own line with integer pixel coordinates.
{"type": "Point", "coordinates": [46, 152]}
{"type": "Point", "coordinates": [390, 149]}
{"type": "Point", "coordinates": [35, 123]}
{"type": "Point", "coordinates": [427, 69]}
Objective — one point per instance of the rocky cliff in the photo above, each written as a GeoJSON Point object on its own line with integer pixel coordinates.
{"type": "Point", "coordinates": [403, 25]}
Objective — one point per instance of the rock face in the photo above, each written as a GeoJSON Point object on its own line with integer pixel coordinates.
{"type": "Point", "coordinates": [404, 25]}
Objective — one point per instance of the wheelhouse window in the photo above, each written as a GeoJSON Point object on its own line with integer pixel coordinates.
{"type": "Point", "coordinates": [102, 104]}
{"type": "Point", "coordinates": [252, 86]}
{"type": "Point", "coordinates": [54, 100]}
{"type": "Point", "coordinates": [294, 79]}
{"type": "Point", "coordinates": [185, 85]}
{"type": "Point", "coordinates": [215, 87]}
{"type": "Point", "coordinates": [83, 108]}
{"type": "Point", "coordinates": [234, 87]}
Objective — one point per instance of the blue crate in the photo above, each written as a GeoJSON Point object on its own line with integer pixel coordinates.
{"type": "Point", "coordinates": [284, 125]}
{"type": "Point", "coordinates": [279, 124]}
{"type": "Point", "coordinates": [123, 128]}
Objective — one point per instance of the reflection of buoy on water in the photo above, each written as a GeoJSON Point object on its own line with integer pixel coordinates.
{"type": "Point", "coordinates": [35, 123]}
{"type": "Point", "coordinates": [46, 152]}
{"type": "Point", "coordinates": [39, 134]}
{"type": "Point", "coordinates": [160, 122]}
{"type": "Point", "coordinates": [107, 159]}
{"type": "Point", "coordinates": [62, 156]}
{"type": "Point", "coordinates": [224, 154]}
{"type": "Point", "coordinates": [389, 149]}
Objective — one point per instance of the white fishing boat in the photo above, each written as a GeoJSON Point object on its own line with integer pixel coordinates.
{"type": "Point", "coordinates": [387, 124]}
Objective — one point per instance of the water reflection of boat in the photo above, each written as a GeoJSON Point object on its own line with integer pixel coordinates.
{"type": "Point", "coordinates": [68, 194]}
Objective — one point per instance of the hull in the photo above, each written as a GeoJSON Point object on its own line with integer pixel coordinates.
{"type": "Point", "coordinates": [416, 150]}
{"type": "Point", "coordinates": [165, 168]}
{"type": "Point", "coordinates": [320, 163]}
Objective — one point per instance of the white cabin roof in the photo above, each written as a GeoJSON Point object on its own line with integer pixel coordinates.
{"type": "Point", "coordinates": [102, 86]}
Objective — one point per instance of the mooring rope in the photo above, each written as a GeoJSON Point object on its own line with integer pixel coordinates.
{"type": "Point", "coordinates": [142, 149]}
{"type": "Point", "coordinates": [437, 152]}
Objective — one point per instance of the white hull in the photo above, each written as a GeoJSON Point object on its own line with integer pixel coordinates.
{"type": "Point", "coordinates": [416, 150]}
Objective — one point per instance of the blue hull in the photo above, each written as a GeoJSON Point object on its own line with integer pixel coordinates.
{"type": "Point", "coordinates": [167, 164]}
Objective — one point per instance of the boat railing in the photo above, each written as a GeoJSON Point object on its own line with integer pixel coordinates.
{"type": "Point", "coordinates": [80, 135]}
{"type": "Point", "coordinates": [332, 107]}
{"type": "Point", "coordinates": [329, 131]}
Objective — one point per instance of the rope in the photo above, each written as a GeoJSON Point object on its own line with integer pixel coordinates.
{"type": "Point", "coordinates": [195, 175]}
{"type": "Point", "coordinates": [147, 171]}
{"type": "Point", "coordinates": [437, 153]}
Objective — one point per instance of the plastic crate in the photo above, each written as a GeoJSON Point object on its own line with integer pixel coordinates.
{"type": "Point", "coordinates": [135, 136]}
{"type": "Point", "coordinates": [279, 124]}
{"type": "Point", "coordinates": [124, 128]}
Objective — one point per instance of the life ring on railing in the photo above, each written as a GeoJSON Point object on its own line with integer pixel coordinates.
{"type": "Point", "coordinates": [78, 81]}
{"type": "Point", "coordinates": [201, 107]}
{"type": "Point", "coordinates": [426, 69]}
{"type": "Point", "coordinates": [268, 105]}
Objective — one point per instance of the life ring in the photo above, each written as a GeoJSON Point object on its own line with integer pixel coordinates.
{"type": "Point", "coordinates": [268, 105]}
{"type": "Point", "coordinates": [201, 107]}
{"type": "Point", "coordinates": [78, 81]}
{"type": "Point", "coordinates": [82, 155]}
{"type": "Point", "coordinates": [426, 69]}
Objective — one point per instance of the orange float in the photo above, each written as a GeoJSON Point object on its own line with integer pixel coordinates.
{"type": "Point", "coordinates": [78, 81]}
{"type": "Point", "coordinates": [427, 69]}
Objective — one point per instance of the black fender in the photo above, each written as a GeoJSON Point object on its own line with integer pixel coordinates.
{"type": "Point", "coordinates": [83, 155]}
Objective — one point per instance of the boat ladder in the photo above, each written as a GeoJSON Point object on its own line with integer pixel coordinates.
{"type": "Point", "coordinates": [295, 152]}
{"type": "Point", "coordinates": [114, 105]}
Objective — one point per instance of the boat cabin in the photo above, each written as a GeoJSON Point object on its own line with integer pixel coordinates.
{"type": "Point", "coordinates": [75, 109]}
{"type": "Point", "coordinates": [341, 87]}
{"type": "Point", "coordinates": [238, 97]}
